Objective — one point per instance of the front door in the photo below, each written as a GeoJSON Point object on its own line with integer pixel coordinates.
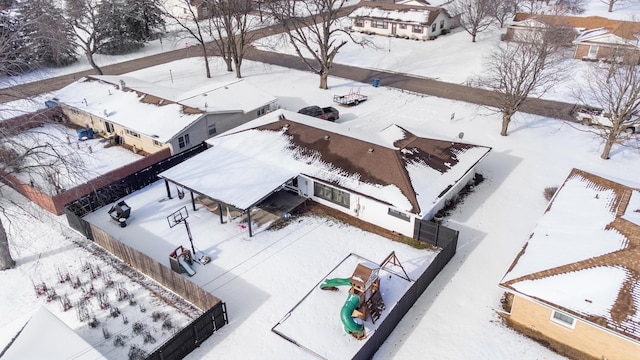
{"type": "Point", "coordinates": [108, 127]}
{"type": "Point", "coordinates": [393, 29]}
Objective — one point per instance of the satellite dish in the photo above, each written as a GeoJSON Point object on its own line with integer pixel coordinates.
{"type": "Point", "coordinates": [461, 135]}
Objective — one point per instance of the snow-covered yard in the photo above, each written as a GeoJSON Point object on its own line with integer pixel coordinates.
{"type": "Point", "coordinates": [455, 318]}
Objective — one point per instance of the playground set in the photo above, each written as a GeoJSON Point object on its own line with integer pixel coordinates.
{"type": "Point", "coordinates": [181, 259]}
{"type": "Point", "coordinates": [364, 299]}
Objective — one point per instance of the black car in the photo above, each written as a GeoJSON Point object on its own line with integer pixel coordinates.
{"type": "Point", "coordinates": [325, 113]}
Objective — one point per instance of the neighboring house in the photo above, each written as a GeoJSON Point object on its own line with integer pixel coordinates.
{"type": "Point", "coordinates": [417, 22]}
{"type": "Point", "coordinates": [576, 280]}
{"type": "Point", "coordinates": [148, 117]}
{"type": "Point", "coordinates": [44, 336]}
{"type": "Point", "coordinates": [183, 9]}
{"type": "Point", "coordinates": [596, 38]}
{"type": "Point", "coordinates": [390, 178]}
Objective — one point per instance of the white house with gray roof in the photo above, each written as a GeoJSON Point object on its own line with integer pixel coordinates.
{"type": "Point", "coordinates": [148, 117]}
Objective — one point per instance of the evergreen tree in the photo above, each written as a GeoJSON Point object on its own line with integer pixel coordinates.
{"type": "Point", "coordinates": [15, 56]}
{"type": "Point", "coordinates": [51, 39]}
{"type": "Point", "coordinates": [127, 25]}
{"type": "Point", "coordinates": [143, 18]}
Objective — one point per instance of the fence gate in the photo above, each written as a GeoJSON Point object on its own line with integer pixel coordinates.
{"type": "Point", "coordinates": [434, 233]}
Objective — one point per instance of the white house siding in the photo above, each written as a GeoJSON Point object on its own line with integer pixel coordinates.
{"type": "Point", "coordinates": [84, 119]}
{"type": "Point", "coordinates": [362, 207]}
{"type": "Point", "coordinates": [451, 194]}
{"type": "Point", "coordinates": [443, 24]}
{"type": "Point", "coordinates": [403, 29]}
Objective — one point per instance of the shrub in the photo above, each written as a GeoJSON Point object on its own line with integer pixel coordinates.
{"type": "Point", "coordinates": [549, 192]}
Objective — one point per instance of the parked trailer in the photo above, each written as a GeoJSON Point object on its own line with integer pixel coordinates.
{"type": "Point", "coordinates": [353, 98]}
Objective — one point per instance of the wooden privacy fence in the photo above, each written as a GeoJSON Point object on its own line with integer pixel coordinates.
{"type": "Point", "coordinates": [155, 270]}
{"type": "Point", "coordinates": [215, 311]}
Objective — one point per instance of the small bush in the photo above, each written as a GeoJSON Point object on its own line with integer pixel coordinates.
{"type": "Point", "coordinates": [506, 301]}
{"type": "Point", "coordinates": [136, 353]}
{"type": "Point", "coordinates": [118, 341]}
{"type": "Point", "coordinates": [138, 327]}
{"type": "Point", "coordinates": [549, 192]}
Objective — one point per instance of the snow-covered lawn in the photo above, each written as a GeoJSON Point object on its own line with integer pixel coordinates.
{"type": "Point", "coordinates": [455, 318]}
{"type": "Point", "coordinates": [80, 160]}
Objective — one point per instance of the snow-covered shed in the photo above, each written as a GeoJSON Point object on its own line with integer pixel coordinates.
{"type": "Point", "coordinates": [595, 37]}
{"type": "Point", "coordinates": [576, 280]}
{"type": "Point", "coordinates": [412, 21]}
{"type": "Point", "coordinates": [149, 117]}
{"type": "Point", "coordinates": [389, 178]}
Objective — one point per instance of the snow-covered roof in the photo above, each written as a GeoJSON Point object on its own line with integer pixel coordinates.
{"type": "Point", "coordinates": [410, 14]}
{"type": "Point", "coordinates": [388, 166]}
{"type": "Point", "coordinates": [589, 235]}
{"type": "Point", "coordinates": [613, 31]}
{"type": "Point", "coordinates": [154, 110]}
{"type": "Point", "coordinates": [45, 336]}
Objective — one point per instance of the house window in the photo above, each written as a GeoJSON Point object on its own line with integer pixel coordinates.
{"type": "Point", "coordinates": [205, 12]}
{"type": "Point", "coordinates": [157, 143]}
{"type": "Point", "coordinates": [332, 194]}
{"type": "Point", "coordinates": [433, 27]}
{"type": "Point", "coordinates": [358, 23]}
{"type": "Point", "coordinates": [398, 214]}
{"type": "Point", "coordinates": [441, 24]}
{"type": "Point", "coordinates": [379, 24]}
{"type": "Point", "coordinates": [108, 126]}
{"type": "Point", "coordinates": [262, 111]}
{"type": "Point", "coordinates": [418, 29]}
{"type": "Point", "coordinates": [563, 319]}
{"type": "Point", "coordinates": [593, 52]}
{"type": "Point", "coordinates": [183, 141]}
{"type": "Point", "coordinates": [403, 26]}
{"type": "Point", "coordinates": [212, 129]}
{"type": "Point", "coordinates": [131, 133]}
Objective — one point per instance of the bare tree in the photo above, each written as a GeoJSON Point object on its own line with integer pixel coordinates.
{"type": "Point", "coordinates": [615, 88]}
{"type": "Point", "coordinates": [14, 60]}
{"type": "Point", "coordinates": [563, 7]}
{"type": "Point", "coordinates": [475, 15]}
{"type": "Point", "coordinates": [517, 70]}
{"type": "Point", "coordinates": [34, 153]}
{"type": "Point", "coordinates": [610, 3]}
{"type": "Point", "coordinates": [230, 27]}
{"type": "Point", "coordinates": [313, 26]}
{"type": "Point", "coordinates": [189, 21]}
{"type": "Point", "coordinates": [83, 16]}
{"type": "Point", "coordinates": [503, 10]}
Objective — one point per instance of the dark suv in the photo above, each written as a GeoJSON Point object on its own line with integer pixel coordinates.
{"type": "Point", "coordinates": [325, 113]}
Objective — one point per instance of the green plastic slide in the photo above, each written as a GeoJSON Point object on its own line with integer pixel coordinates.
{"type": "Point", "coordinates": [331, 284]}
{"type": "Point", "coordinates": [350, 326]}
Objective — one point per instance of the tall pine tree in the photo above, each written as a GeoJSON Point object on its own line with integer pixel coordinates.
{"type": "Point", "coordinates": [51, 39]}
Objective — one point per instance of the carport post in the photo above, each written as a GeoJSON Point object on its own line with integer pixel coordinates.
{"type": "Point", "coordinates": [249, 221]}
{"type": "Point", "coordinates": [166, 184]}
{"type": "Point", "coordinates": [220, 211]}
{"type": "Point", "coordinates": [193, 201]}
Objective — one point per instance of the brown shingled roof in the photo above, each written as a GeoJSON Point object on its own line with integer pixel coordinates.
{"type": "Point", "coordinates": [374, 163]}
{"type": "Point", "coordinates": [627, 258]}
{"type": "Point", "coordinates": [151, 99]}
{"type": "Point", "coordinates": [625, 29]}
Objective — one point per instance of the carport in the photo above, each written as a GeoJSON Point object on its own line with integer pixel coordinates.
{"type": "Point", "coordinates": [240, 181]}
